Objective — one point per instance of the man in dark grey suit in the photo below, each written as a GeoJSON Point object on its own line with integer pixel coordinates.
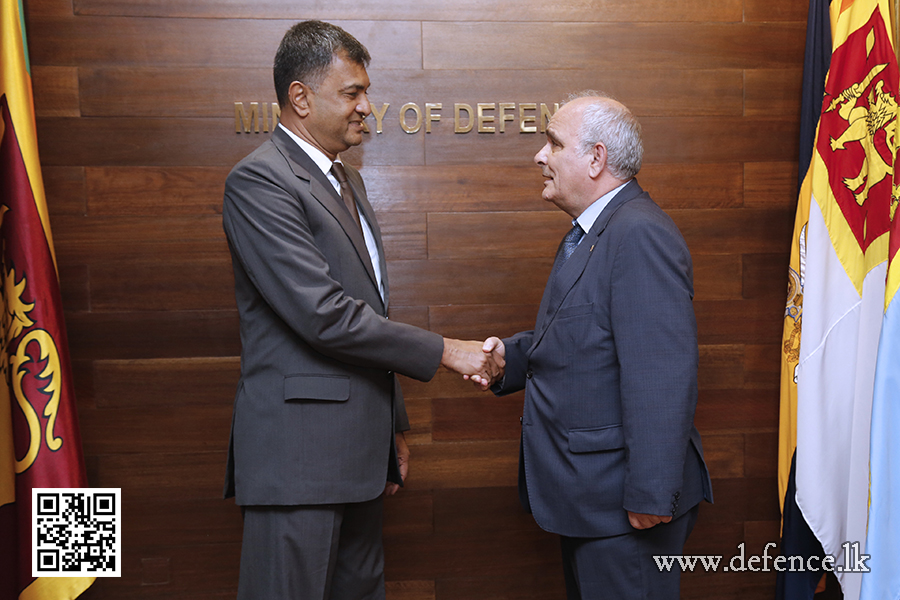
{"type": "Point", "coordinates": [610, 456]}
{"type": "Point", "coordinates": [317, 429]}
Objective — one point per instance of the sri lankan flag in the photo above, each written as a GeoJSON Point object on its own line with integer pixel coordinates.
{"type": "Point", "coordinates": [883, 540]}
{"type": "Point", "coordinates": [39, 440]}
{"type": "Point", "coordinates": [837, 279]}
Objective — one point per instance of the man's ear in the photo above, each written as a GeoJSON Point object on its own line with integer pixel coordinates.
{"type": "Point", "coordinates": [598, 159]}
{"type": "Point", "coordinates": [298, 97]}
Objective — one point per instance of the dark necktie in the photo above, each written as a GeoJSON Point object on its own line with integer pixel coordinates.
{"type": "Point", "coordinates": [567, 246]}
{"type": "Point", "coordinates": [346, 192]}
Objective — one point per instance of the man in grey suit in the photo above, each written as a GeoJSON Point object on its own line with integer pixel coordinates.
{"type": "Point", "coordinates": [317, 429]}
{"type": "Point", "coordinates": [610, 458]}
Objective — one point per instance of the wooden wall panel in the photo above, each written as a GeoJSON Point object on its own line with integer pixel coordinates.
{"type": "Point", "coordinates": [56, 92]}
{"type": "Point", "coordinates": [136, 122]}
{"type": "Point", "coordinates": [90, 41]}
{"type": "Point", "coordinates": [184, 92]}
{"type": "Point", "coordinates": [477, 45]}
{"type": "Point", "coordinates": [427, 10]}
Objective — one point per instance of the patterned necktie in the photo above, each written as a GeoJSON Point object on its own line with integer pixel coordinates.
{"type": "Point", "coordinates": [567, 246]}
{"type": "Point", "coordinates": [346, 192]}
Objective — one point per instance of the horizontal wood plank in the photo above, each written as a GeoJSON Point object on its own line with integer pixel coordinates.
{"type": "Point", "coordinates": [163, 381]}
{"type": "Point", "coordinates": [724, 455]}
{"type": "Point", "coordinates": [666, 140]}
{"type": "Point", "coordinates": [724, 411]}
{"type": "Point", "coordinates": [771, 185]}
{"type": "Point", "coordinates": [56, 91]}
{"type": "Point", "coordinates": [64, 189]}
{"type": "Point", "coordinates": [763, 273]}
{"type": "Point", "coordinates": [480, 418]}
{"type": "Point", "coordinates": [465, 465]}
{"type": "Point", "coordinates": [436, 282]}
{"type": "Point", "coordinates": [772, 91]}
{"type": "Point", "coordinates": [177, 522]}
{"type": "Point", "coordinates": [648, 45]}
{"type": "Point", "coordinates": [721, 367]}
{"type": "Point", "coordinates": [158, 477]}
{"type": "Point", "coordinates": [761, 454]}
{"type": "Point", "coordinates": [110, 41]}
{"type": "Point", "coordinates": [767, 11]}
{"type": "Point", "coordinates": [213, 142]}
{"type": "Point", "coordinates": [212, 91]}
{"type": "Point", "coordinates": [408, 512]}
{"type": "Point", "coordinates": [429, 10]}
{"type": "Point", "coordinates": [189, 284]}
{"type": "Point", "coordinates": [762, 365]}
{"type": "Point", "coordinates": [153, 334]}
{"type": "Point", "coordinates": [736, 231]}
{"type": "Point", "coordinates": [153, 191]}
{"type": "Point", "coordinates": [480, 188]}
{"type": "Point", "coordinates": [739, 322]}
{"type": "Point", "coordinates": [176, 430]}
{"type": "Point", "coordinates": [199, 142]}
{"type": "Point", "coordinates": [471, 554]}
{"type": "Point", "coordinates": [410, 590]}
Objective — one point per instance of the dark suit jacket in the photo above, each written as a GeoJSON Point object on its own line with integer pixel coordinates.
{"type": "Point", "coordinates": [318, 402]}
{"type": "Point", "coordinates": [610, 378]}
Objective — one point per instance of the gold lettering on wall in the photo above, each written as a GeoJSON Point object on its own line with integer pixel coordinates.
{"type": "Point", "coordinates": [250, 123]}
{"type": "Point", "coordinates": [379, 117]}
{"type": "Point", "coordinates": [504, 117]}
{"type": "Point", "coordinates": [523, 118]}
{"type": "Point", "coordinates": [458, 109]}
{"type": "Point", "coordinates": [410, 106]}
{"type": "Point", "coordinates": [489, 117]}
{"type": "Point", "coordinates": [431, 116]}
{"type": "Point", "coordinates": [483, 118]}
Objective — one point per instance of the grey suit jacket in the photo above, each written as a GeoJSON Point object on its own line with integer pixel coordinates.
{"type": "Point", "coordinates": [610, 378]}
{"type": "Point", "coordinates": [318, 402]}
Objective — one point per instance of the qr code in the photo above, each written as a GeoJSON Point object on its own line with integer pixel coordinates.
{"type": "Point", "coordinates": [76, 532]}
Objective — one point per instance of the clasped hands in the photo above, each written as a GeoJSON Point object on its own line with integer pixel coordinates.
{"type": "Point", "coordinates": [482, 363]}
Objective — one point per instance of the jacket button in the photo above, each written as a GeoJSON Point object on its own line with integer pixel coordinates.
{"type": "Point", "coordinates": [529, 373]}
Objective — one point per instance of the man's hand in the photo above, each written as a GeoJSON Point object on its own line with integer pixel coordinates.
{"type": "Point", "coordinates": [493, 347]}
{"type": "Point", "coordinates": [644, 521]}
{"type": "Point", "coordinates": [473, 362]}
{"type": "Point", "coordinates": [403, 460]}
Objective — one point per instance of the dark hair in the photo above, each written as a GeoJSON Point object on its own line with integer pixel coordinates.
{"type": "Point", "coordinates": [306, 52]}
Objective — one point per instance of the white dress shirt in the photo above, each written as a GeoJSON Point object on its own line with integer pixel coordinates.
{"type": "Point", "coordinates": [590, 214]}
{"type": "Point", "coordinates": [324, 163]}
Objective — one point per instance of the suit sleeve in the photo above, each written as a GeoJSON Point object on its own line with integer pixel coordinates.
{"type": "Point", "coordinates": [516, 364]}
{"type": "Point", "coordinates": [656, 341]}
{"type": "Point", "coordinates": [269, 233]}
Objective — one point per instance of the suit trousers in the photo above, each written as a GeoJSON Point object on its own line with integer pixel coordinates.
{"type": "Point", "coordinates": [622, 567]}
{"type": "Point", "coordinates": [327, 552]}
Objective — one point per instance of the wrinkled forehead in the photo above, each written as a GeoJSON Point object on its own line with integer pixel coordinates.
{"type": "Point", "coordinates": [564, 122]}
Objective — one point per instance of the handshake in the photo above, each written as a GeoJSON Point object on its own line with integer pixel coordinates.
{"type": "Point", "coordinates": [482, 363]}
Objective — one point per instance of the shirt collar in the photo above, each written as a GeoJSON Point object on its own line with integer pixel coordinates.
{"type": "Point", "coordinates": [317, 156]}
{"type": "Point", "coordinates": [590, 214]}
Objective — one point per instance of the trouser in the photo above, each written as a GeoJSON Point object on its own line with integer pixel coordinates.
{"type": "Point", "coordinates": [328, 552]}
{"type": "Point", "coordinates": [622, 567]}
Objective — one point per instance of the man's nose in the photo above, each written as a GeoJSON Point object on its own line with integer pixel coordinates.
{"type": "Point", "coordinates": [540, 157]}
{"type": "Point", "coordinates": [364, 107]}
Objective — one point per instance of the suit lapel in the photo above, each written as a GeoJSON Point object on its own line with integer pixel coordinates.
{"type": "Point", "coordinates": [321, 189]}
{"type": "Point", "coordinates": [561, 283]}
